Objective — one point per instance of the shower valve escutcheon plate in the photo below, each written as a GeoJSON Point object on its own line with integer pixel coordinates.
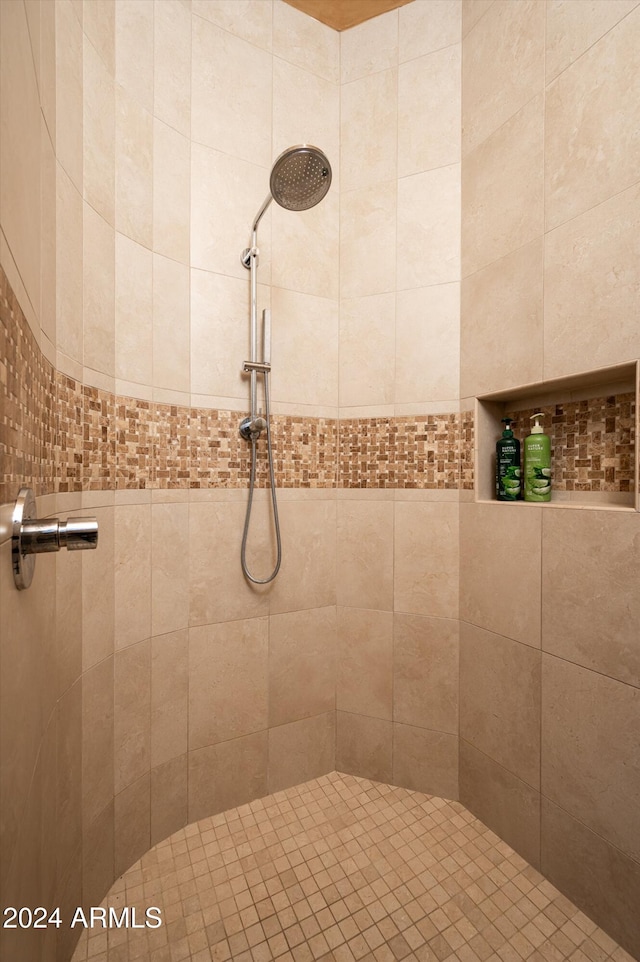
{"type": "Point", "coordinates": [31, 536]}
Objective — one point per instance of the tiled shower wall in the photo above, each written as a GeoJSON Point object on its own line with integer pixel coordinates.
{"type": "Point", "coordinates": [549, 721]}
{"type": "Point", "coordinates": [140, 146]}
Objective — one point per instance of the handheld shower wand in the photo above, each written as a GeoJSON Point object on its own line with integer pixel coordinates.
{"type": "Point", "coordinates": [300, 179]}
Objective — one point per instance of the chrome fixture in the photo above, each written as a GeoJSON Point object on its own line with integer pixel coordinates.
{"type": "Point", "coordinates": [30, 536]}
{"type": "Point", "coordinates": [300, 178]}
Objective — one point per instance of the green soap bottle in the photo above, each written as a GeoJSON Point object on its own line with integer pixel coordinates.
{"type": "Point", "coordinates": [508, 465]}
{"type": "Point", "coordinates": [537, 463]}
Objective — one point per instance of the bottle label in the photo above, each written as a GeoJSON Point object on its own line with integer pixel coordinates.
{"type": "Point", "coordinates": [508, 474]}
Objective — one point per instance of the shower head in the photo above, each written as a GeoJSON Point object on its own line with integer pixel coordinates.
{"type": "Point", "coordinates": [300, 177]}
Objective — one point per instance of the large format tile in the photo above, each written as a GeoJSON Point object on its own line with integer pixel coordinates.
{"type": "Point", "coordinates": [591, 281]}
{"type": "Point", "coordinates": [132, 714]}
{"type": "Point", "coordinates": [503, 189]}
{"type": "Point", "coordinates": [505, 803]}
{"type": "Point", "coordinates": [169, 696]}
{"type": "Point", "coordinates": [228, 681]}
{"type": "Point", "coordinates": [573, 27]}
{"type": "Point", "coordinates": [425, 761]}
{"type": "Point", "coordinates": [590, 764]}
{"type": "Point", "coordinates": [591, 609]}
{"type": "Point", "coordinates": [500, 558]}
{"type": "Point", "coordinates": [368, 222]}
{"type": "Point", "coordinates": [500, 701]}
{"type": "Point", "coordinates": [365, 662]}
{"type": "Point", "coordinates": [365, 554]}
{"type": "Point", "coordinates": [367, 345]}
{"type": "Point", "coordinates": [366, 105]}
{"type": "Point", "coordinates": [425, 672]}
{"type": "Point", "coordinates": [599, 878]}
{"type": "Point", "coordinates": [301, 750]}
{"type": "Point", "coordinates": [426, 556]}
{"type": "Point", "coordinates": [427, 348]}
{"type": "Point", "coordinates": [425, 27]}
{"type": "Point", "coordinates": [502, 67]}
{"type": "Point", "coordinates": [592, 125]}
{"type": "Point", "coordinates": [228, 774]}
{"type": "Point", "coordinates": [428, 239]}
{"type": "Point", "coordinates": [302, 664]}
{"type": "Point", "coordinates": [501, 323]}
{"type": "Point", "coordinates": [308, 574]}
{"type": "Point", "coordinates": [364, 746]}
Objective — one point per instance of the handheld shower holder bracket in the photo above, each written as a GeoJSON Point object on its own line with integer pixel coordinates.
{"type": "Point", "coordinates": [247, 254]}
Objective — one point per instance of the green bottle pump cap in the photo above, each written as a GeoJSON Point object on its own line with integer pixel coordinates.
{"type": "Point", "coordinates": [507, 432]}
{"type": "Point", "coordinates": [537, 427]}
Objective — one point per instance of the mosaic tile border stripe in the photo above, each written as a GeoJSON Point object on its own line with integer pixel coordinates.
{"type": "Point", "coordinates": [59, 435]}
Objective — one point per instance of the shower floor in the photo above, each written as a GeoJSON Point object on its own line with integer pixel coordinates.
{"type": "Point", "coordinates": [341, 868]}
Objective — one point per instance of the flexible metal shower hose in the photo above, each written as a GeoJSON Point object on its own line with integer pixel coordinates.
{"type": "Point", "coordinates": [252, 480]}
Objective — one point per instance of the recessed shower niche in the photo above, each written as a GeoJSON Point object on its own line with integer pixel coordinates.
{"type": "Point", "coordinates": [592, 420]}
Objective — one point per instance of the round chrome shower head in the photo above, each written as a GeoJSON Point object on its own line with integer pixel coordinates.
{"type": "Point", "coordinates": [300, 178]}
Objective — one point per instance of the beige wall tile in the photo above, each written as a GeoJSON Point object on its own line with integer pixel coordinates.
{"type": "Point", "coordinates": [365, 554]}
{"type": "Point", "coordinates": [99, 23]}
{"type": "Point", "coordinates": [172, 64]}
{"type": "Point", "coordinates": [304, 331]}
{"type": "Point", "coordinates": [134, 49]}
{"type": "Point", "coordinates": [228, 681]}
{"type": "Point", "coordinates": [305, 42]}
{"type": "Point", "coordinates": [68, 267]}
{"type": "Point", "coordinates": [132, 824]}
{"type": "Point", "coordinates": [306, 110]}
{"type": "Point", "coordinates": [301, 750]}
{"type": "Point", "coordinates": [169, 572]}
{"type": "Point", "coordinates": [365, 662]}
{"type": "Point", "coordinates": [591, 281]}
{"type": "Point", "coordinates": [97, 740]}
{"type": "Point", "coordinates": [68, 602]}
{"type": "Point", "coordinates": [217, 588]}
{"type": "Point", "coordinates": [364, 746]}
{"type": "Point", "coordinates": [500, 563]}
{"type": "Point", "coordinates": [429, 137]}
{"type": "Point", "coordinates": [573, 27]}
{"type": "Point", "coordinates": [69, 92]}
{"type": "Point", "coordinates": [498, 717]}
{"type": "Point", "coordinates": [98, 292]}
{"type": "Point", "coordinates": [591, 609]}
{"type": "Point", "coordinates": [589, 750]}
{"type": "Point", "coordinates": [48, 203]}
{"type": "Point", "coordinates": [428, 242]}
{"type": "Point", "coordinates": [503, 183]}
{"type": "Point", "coordinates": [226, 775]}
{"type": "Point", "coordinates": [305, 248]}
{"type": "Point", "coordinates": [509, 806]}
{"type": "Point", "coordinates": [370, 47]}
{"type": "Point", "coordinates": [425, 761]}
{"type": "Point", "coordinates": [302, 664]}
{"type": "Point", "coordinates": [68, 798]}
{"type": "Point", "coordinates": [597, 876]}
{"type": "Point", "coordinates": [171, 324]}
{"type": "Point", "coordinates": [503, 67]}
{"type": "Point", "coordinates": [426, 559]}
{"type": "Point", "coordinates": [98, 593]}
{"type": "Point", "coordinates": [134, 311]}
{"type": "Point", "coordinates": [169, 697]}
{"type": "Point", "coordinates": [368, 222]}
{"type": "Point", "coordinates": [428, 25]}
{"type": "Point", "coordinates": [98, 844]}
{"type": "Point", "coordinates": [235, 75]}
{"type": "Point", "coordinates": [427, 344]}
{"type": "Point", "coordinates": [132, 714]}
{"type": "Point", "coordinates": [168, 798]}
{"type": "Point", "coordinates": [132, 574]}
{"type": "Point", "coordinates": [134, 168]}
{"type": "Point", "coordinates": [240, 17]}
{"type": "Point", "coordinates": [590, 148]}
{"type": "Point", "coordinates": [219, 338]}
{"type": "Point", "coordinates": [308, 574]}
{"type": "Point", "coordinates": [171, 192]}
{"type": "Point", "coordinates": [502, 323]}
{"type": "Point", "coordinates": [472, 11]}
{"type": "Point", "coordinates": [425, 672]}
{"type": "Point", "coordinates": [368, 105]}
{"type": "Point", "coordinates": [99, 105]}
{"type": "Point", "coordinates": [367, 350]}
{"type": "Point", "coordinates": [226, 194]}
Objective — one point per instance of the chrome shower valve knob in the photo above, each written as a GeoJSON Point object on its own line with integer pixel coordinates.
{"type": "Point", "coordinates": [31, 536]}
